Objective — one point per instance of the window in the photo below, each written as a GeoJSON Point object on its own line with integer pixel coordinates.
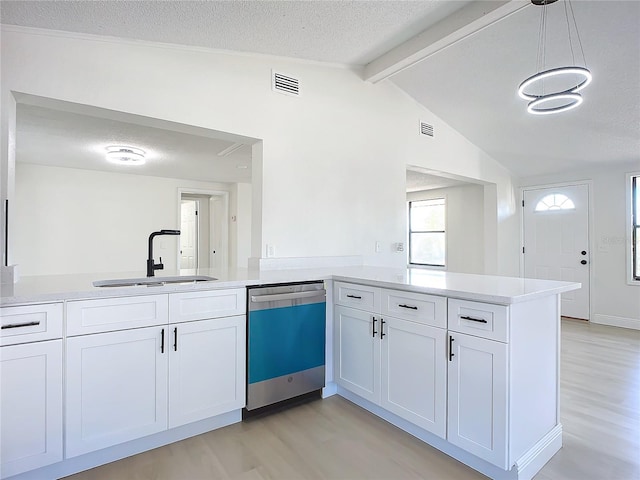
{"type": "Point", "coordinates": [427, 232]}
{"type": "Point", "coordinates": [635, 227]}
{"type": "Point", "coordinates": [555, 201]}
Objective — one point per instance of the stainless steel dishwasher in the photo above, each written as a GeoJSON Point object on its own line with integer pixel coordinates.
{"type": "Point", "coordinates": [285, 343]}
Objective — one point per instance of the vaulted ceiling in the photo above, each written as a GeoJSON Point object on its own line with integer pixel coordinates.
{"type": "Point", "coordinates": [462, 59]}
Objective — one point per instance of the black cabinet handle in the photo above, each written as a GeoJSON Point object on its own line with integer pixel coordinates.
{"type": "Point", "coordinates": [382, 334]}
{"type": "Point", "coordinates": [583, 262]}
{"type": "Point", "coordinates": [412, 307]}
{"type": "Point", "coordinates": [583, 252]}
{"type": "Point", "coordinates": [479, 320]}
{"type": "Point", "coordinates": [374, 327]}
{"type": "Point", "coordinates": [354, 296]}
{"type": "Point", "coordinates": [451, 354]}
{"type": "Point", "coordinates": [175, 339]}
{"type": "Point", "coordinates": [162, 342]}
{"type": "Point", "coordinates": [19, 325]}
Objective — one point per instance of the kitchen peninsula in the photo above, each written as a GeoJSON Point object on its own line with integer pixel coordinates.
{"type": "Point", "coordinates": [467, 363]}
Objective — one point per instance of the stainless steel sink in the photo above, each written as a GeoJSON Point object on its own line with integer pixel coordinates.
{"type": "Point", "coordinates": [152, 281]}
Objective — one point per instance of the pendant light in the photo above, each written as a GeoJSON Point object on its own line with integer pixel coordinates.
{"type": "Point", "coordinates": [545, 99]}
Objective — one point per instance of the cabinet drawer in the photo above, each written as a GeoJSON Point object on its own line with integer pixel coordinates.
{"type": "Point", "coordinates": [30, 323]}
{"type": "Point", "coordinates": [110, 314]}
{"type": "Point", "coordinates": [362, 297]}
{"type": "Point", "coordinates": [417, 307]}
{"type": "Point", "coordinates": [480, 319]}
{"type": "Point", "coordinates": [184, 307]}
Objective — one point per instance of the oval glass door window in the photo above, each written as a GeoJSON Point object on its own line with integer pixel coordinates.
{"type": "Point", "coordinates": [555, 201]}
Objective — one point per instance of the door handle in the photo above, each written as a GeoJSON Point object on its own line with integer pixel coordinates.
{"type": "Point", "coordinates": [374, 327]}
{"type": "Point", "coordinates": [162, 342]}
{"type": "Point", "coordinates": [451, 354]}
{"type": "Point", "coordinates": [382, 334]}
{"type": "Point", "coordinates": [583, 262]}
{"type": "Point", "coordinates": [175, 339]}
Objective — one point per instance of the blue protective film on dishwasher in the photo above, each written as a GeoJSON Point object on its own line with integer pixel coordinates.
{"type": "Point", "coordinates": [285, 340]}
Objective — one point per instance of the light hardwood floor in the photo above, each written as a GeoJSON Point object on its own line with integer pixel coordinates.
{"type": "Point", "coordinates": [334, 439]}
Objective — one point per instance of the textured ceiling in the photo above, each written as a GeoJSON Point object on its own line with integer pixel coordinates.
{"type": "Point", "coordinates": [419, 181]}
{"type": "Point", "coordinates": [470, 83]}
{"type": "Point", "coordinates": [346, 32]}
{"type": "Point", "coordinates": [62, 138]}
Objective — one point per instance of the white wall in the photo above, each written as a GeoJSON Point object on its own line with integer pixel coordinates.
{"type": "Point", "coordinates": [83, 221]}
{"type": "Point", "coordinates": [332, 177]}
{"type": "Point", "coordinates": [464, 234]}
{"type": "Point", "coordinates": [613, 300]}
{"type": "Point", "coordinates": [243, 224]}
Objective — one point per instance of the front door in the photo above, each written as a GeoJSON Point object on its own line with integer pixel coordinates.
{"type": "Point", "coordinates": [556, 241]}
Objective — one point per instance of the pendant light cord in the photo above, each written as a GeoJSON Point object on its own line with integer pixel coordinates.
{"type": "Point", "coordinates": [575, 26]}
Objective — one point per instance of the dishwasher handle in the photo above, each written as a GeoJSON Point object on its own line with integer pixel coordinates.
{"type": "Point", "coordinates": [287, 296]}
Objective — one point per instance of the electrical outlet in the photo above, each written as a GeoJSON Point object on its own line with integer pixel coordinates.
{"type": "Point", "coordinates": [271, 251]}
{"type": "Point", "coordinates": [399, 247]}
{"type": "Point", "coordinates": [378, 247]}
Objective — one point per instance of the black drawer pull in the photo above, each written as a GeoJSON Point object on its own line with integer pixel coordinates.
{"type": "Point", "coordinates": [382, 334]}
{"type": "Point", "coordinates": [19, 325]}
{"type": "Point", "coordinates": [412, 307]}
{"type": "Point", "coordinates": [162, 342]}
{"type": "Point", "coordinates": [175, 339]}
{"type": "Point", "coordinates": [354, 296]}
{"type": "Point", "coordinates": [479, 320]}
{"type": "Point", "coordinates": [374, 327]}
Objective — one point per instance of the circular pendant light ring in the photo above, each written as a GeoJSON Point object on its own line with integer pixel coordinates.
{"type": "Point", "coordinates": [572, 100]}
{"type": "Point", "coordinates": [581, 72]}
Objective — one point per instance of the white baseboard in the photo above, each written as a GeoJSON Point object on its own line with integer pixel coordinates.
{"type": "Point", "coordinates": [537, 457]}
{"type": "Point", "coordinates": [624, 322]}
{"type": "Point", "coordinates": [123, 450]}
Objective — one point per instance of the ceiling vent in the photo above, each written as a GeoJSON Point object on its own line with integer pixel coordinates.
{"type": "Point", "coordinates": [285, 84]}
{"type": "Point", "coordinates": [426, 129]}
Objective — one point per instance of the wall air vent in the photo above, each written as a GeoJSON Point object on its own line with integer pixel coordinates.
{"type": "Point", "coordinates": [285, 84]}
{"type": "Point", "coordinates": [426, 129]}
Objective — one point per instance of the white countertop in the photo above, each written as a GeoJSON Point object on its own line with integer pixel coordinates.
{"type": "Point", "coordinates": [484, 288]}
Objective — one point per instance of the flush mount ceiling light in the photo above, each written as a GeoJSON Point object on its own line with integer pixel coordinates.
{"type": "Point", "coordinates": [125, 155]}
{"type": "Point", "coordinates": [555, 90]}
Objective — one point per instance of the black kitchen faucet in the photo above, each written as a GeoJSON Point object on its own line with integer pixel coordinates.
{"type": "Point", "coordinates": [151, 265]}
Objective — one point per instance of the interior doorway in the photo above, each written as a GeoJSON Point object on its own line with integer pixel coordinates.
{"type": "Point", "coordinates": [204, 239]}
{"type": "Point", "coordinates": [556, 241]}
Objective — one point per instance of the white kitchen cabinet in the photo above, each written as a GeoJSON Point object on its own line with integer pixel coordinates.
{"type": "Point", "coordinates": [357, 350]}
{"type": "Point", "coordinates": [116, 386]}
{"type": "Point", "coordinates": [413, 370]}
{"type": "Point", "coordinates": [31, 406]}
{"type": "Point", "coordinates": [206, 368]}
{"type": "Point", "coordinates": [395, 363]}
{"type": "Point", "coordinates": [477, 397]}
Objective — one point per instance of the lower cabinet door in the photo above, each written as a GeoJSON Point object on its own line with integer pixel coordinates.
{"type": "Point", "coordinates": [206, 368]}
{"type": "Point", "coordinates": [414, 373]}
{"type": "Point", "coordinates": [477, 406]}
{"type": "Point", "coordinates": [357, 352]}
{"type": "Point", "coordinates": [30, 406]}
{"type": "Point", "coordinates": [116, 388]}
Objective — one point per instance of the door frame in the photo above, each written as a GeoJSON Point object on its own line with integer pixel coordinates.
{"type": "Point", "coordinates": [590, 226]}
{"type": "Point", "coordinates": [224, 223]}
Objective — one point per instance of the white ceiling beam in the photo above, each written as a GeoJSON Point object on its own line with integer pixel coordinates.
{"type": "Point", "coordinates": [470, 19]}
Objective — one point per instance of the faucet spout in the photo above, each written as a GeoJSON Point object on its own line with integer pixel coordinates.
{"type": "Point", "coordinates": [151, 265]}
